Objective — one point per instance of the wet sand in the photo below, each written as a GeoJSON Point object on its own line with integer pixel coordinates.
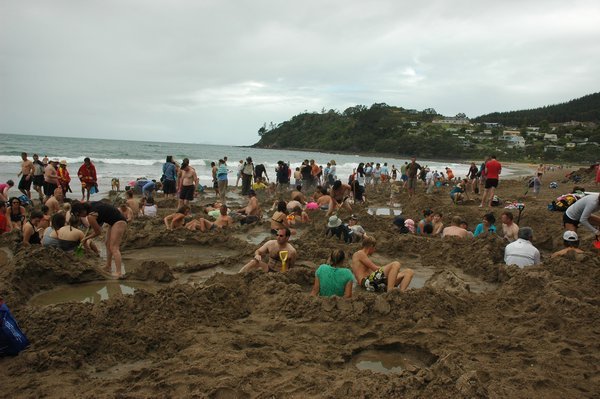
{"type": "Point", "coordinates": [184, 324]}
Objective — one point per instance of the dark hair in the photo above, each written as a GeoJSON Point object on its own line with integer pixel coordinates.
{"type": "Point", "coordinates": [36, 215]}
{"type": "Point", "coordinates": [508, 214]}
{"type": "Point", "coordinates": [14, 198]}
{"type": "Point", "coordinates": [10, 183]}
{"type": "Point", "coordinates": [169, 158]}
{"type": "Point", "coordinates": [44, 209]}
{"type": "Point", "coordinates": [336, 257]}
{"type": "Point", "coordinates": [299, 187]}
{"type": "Point", "coordinates": [58, 220]}
{"type": "Point", "coordinates": [183, 209]}
{"type": "Point", "coordinates": [77, 207]}
{"type": "Point", "coordinates": [427, 212]}
{"type": "Point", "coordinates": [287, 231]}
{"type": "Point", "coordinates": [428, 229]}
{"type": "Point", "coordinates": [456, 220]}
{"type": "Point", "coordinates": [87, 159]}
{"type": "Point", "coordinates": [282, 206]}
{"type": "Point", "coordinates": [185, 163]}
{"type": "Point", "coordinates": [490, 218]}
{"type": "Point", "coordinates": [337, 184]}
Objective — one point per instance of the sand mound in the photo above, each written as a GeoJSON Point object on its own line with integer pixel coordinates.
{"type": "Point", "coordinates": [263, 335]}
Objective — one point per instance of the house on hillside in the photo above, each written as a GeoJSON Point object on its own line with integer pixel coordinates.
{"type": "Point", "coordinates": [557, 148]}
{"type": "Point", "coordinates": [513, 141]}
{"type": "Point", "coordinates": [490, 125]}
{"type": "Point", "coordinates": [550, 137]}
{"type": "Point", "coordinates": [452, 120]}
{"type": "Point", "coordinates": [570, 146]}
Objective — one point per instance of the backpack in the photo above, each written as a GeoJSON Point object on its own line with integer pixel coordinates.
{"type": "Point", "coordinates": [12, 339]}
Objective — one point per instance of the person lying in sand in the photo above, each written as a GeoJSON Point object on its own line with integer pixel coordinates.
{"type": "Point", "coordinates": [375, 278]}
{"type": "Point", "coordinates": [275, 250]}
{"type": "Point", "coordinates": [571, 243]}
{"type": "Point", "coordinates": [297, 195]}
{"type": "Point", "coordinates": [177, 219]}
{"type": "Point", "coordinates": [223, 221]}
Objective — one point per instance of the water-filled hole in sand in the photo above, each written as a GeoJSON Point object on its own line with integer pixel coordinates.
{"type": "Point", "coordinates": [391, 359]}
{"type": "Point", "coordinates": [93, 292]}
{"type": "Point", "coordinates": [176, 256]}
{"type": "Point", "coordinates": [384, 211]}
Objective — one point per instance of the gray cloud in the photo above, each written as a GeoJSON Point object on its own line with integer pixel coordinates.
{"type": "Point", "coordinates": [199, 70]}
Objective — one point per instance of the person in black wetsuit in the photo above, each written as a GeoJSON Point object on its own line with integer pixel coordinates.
{"type": "Point", "coordinates": [97, 214]}
{"type": "Point", "coordinates": [31, 231]}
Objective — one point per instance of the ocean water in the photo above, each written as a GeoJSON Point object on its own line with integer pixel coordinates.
{"type": "Point", "coordinates": [129, 160]}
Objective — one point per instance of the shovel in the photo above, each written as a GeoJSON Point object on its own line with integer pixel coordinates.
{"type": "Point", "coordinates": [283, 255]}
{"type": "Point", "coordinates": [79, 250]}
{"type": "Point", "coordinates": [521, 207]}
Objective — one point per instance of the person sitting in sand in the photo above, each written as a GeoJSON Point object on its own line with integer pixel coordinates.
{"type": "Point", "coordinates": [522, 252]}
{"type": "Point", "coordinates": [275, 250]}
{"type": "Point", "coordinates": [223, 221]}
{"type": "Point", "coordinates": [15, 214]}
{"type": "Point", "coordinates": [322, 198]}
{"type": "Point", "coordinates": [32, 234]}
{"type": "Point", "coordinates": [177, 219]}
{"type": "Point", "coordinates": [251, 213]}
{"type": "Point", "coordinates": [50, 238]}
{"type": "Point", "coordinates": [69, 236]}
{"type": "Point", "coordinates": [454, 230]}
{"type": "Point", "coordinates": [375, 278]}
{"type": "Point", "coordinates": [510, 230]}
{"type": "Point", "coordinates": [149, 208]}
{"type": "Point", "coordinates": [357, 232]}
{"type": "Point", "coordinates": [126, 212]}
{"type": "Point", "coordinates": [486, 226]}
{"type": "Point", "coordinates": [132, 203]}
{"type": "Point", "coordinates": [280, 220]}
{"type": "Point", "coordinates": [571, 243]}
{"type": "Point", "coordinates": [5, 226]}
{"type": "Point", "coordinates": [340, 193]}
{"type": "Point", "coordinates": [45, 222]}
{"type": "Point", "coordinates": [436, 222]}
{"type": "Point", "coordinates": [55, 202]}
{"type": "Point", "coordinates": [426, 221]}
{"type": "Point", "coordinates": [297, 195]}
{"type": "Point", "coordinates": [291, 205]}
{"type": "Point", "coordinates": [332, 279]}
{"type": "Point", "coordinates": [298, 216]}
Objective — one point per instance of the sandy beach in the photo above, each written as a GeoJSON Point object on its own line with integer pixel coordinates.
{"type": "Point", "coordinates": [184, 324]}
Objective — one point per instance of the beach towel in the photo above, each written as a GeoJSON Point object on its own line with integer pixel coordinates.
{"type": "Point", "coordinates": [12, 339]}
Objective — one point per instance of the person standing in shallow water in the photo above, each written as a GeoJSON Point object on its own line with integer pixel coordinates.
{"type": "Point", "coordinates": [247, 173]}
{"type": "Point", "coordinates": [169, 177]}
{"type": "Point", "coordinates": [98, 213]}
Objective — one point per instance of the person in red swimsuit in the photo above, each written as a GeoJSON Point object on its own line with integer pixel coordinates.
{"type": "Point", "coordinates": [493, 169]}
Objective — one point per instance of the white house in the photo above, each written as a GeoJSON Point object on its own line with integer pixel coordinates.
{"type": "Point", "coordinates": [551, 137]}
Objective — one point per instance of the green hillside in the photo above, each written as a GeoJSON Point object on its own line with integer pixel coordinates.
{"type": "Point", "coordinates": [584, 109]}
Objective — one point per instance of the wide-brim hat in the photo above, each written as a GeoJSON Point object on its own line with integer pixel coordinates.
{"type": "Point", "coordinates": [63, 162]}
{"type": "Point", "coordinates": [334, 222]}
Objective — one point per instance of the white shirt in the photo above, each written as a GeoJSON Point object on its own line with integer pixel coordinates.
{"type": "Point", "coordinates": [521, 253]}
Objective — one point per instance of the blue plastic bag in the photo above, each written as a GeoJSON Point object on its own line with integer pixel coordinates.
{"type": "Point", "coordinates": [94, 190]}
{"type": "Point", "coordinates": [12, 339]}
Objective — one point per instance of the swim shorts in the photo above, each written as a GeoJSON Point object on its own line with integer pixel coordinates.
{"type": "Point", "coordinates": [375, 282]}
{"type": "Point", "coordinates": [24, 183]}
{"type": "Point", "coordinates": [567, 219]}
{"type": "Point", "coordinates": [187, 193]}
{"type": "Point", "coordinates": [38, 180]}
{"type": "Point", "coordinates": [49, 188]}
{"type": "Point", "coordinates": [489, 183]}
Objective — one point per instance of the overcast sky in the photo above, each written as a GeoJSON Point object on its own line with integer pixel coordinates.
{"type": "Point", "coordinates": [213, 71]}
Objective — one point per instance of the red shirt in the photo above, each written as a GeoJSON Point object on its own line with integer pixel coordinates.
{"type": "Point", "coordinates": [493, 169]}
{"type": "Point", "coordinates": [3, 223]}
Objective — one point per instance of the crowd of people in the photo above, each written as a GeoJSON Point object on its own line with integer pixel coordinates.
{"type": "Point", "coordinates": [61, 222]}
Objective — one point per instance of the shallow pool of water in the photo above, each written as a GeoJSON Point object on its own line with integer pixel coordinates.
{"type": "Point", "coordinates": [384, 211]}
{"type": "Point", "coordinates": [176, 256]}
{"type": "Point", "coordinates": [392, 359]}
{"type": "Point", "coordinates": [93, 292]}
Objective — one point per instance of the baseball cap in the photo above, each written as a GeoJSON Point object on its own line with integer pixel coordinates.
{"type": "Point", "coordinates": [570, 236]}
